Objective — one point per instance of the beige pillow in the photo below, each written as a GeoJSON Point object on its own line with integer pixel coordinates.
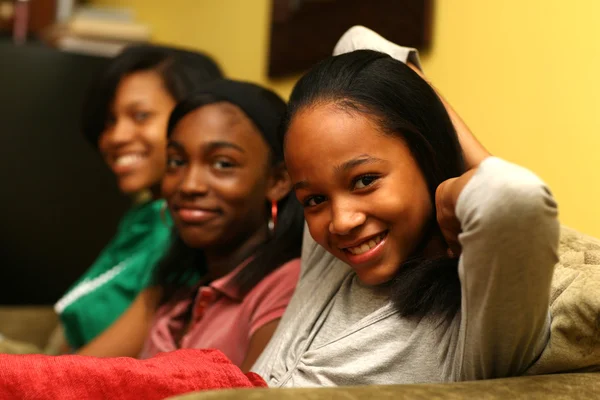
{"type": "Point", "coordinates": [575, 308]}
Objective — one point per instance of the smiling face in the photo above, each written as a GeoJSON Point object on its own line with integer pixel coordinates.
{"type": "Point", "coordinates": [365, 199]}
{"type": "Point", "coordinates": [218, 177]}
{"type": "Point", "coordinates": [134, 140]}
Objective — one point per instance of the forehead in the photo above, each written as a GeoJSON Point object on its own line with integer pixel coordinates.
{"type": "Point", "coordinates": [220, 122]}
{"type": "Point", "coordinates": [142, 86]}
{"type": "Point", "coordinates": [324, 136]}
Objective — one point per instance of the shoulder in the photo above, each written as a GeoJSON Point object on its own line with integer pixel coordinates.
{"type": "Point", "coordinates": [150, 215]}
{"type": "Point", "coordinates": [279, 283]}
{"type": "Point", "coordinates": [270, 298]}
{"type": "Point", "coordinates": [285, 275]}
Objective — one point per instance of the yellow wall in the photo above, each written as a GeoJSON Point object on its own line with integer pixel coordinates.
{"type": "Point", "coordinates": [523, 74]}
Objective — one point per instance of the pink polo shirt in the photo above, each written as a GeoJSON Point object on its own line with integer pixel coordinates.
{"type": "Point", "coordinates": [221, 319]}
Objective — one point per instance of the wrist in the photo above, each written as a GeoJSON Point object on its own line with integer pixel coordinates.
{"type": "Point", "coordinates": [448, 192]}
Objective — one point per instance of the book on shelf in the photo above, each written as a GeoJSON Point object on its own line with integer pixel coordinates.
{"type": "Point", "coordinates": [98, 31]}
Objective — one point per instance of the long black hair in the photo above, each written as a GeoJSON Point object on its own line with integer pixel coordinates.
{"type": "Point", "coordinates": [181, 71]}
{"type": "Point", "coordinates": [182, 263]}
{"type": "Point", "coordinates": [404, 106]}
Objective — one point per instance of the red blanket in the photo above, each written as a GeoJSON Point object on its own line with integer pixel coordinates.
{"type": "Point", "coordinates": [76, 377]}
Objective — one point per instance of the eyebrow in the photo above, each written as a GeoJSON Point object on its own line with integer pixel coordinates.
{"type": "Point", "coordinates": [344, 167]}
{"type": "Point", "coordinates": [300, 185]}
{"type": "Point", "coordinates": [208, 147]}
{"type": "Point", "coordinates": [211, 146]}
{"type": "Point", "coordinates": [355, 162]}
{"type": "Point", "coordinates": [138, 103]}
{"type": "Point", "coordinates": [174, 145]}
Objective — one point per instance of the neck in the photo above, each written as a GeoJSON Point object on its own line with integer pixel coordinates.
{"type": "Point", "coordinates": [147, 194]}
{"type": "Point", "coordinates": [436, 247]}
{"type": "Point", "coordinates": [433, 244]}
{"type": "Point", "coordinates": [141, 197]}
{"type": "Point", "coordinates": [222, 260]}
{"type": "Point", "coordinates": [155, 191]}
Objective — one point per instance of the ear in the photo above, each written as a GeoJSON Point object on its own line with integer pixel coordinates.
{"type": "Point", "coordinates": [280, 183]}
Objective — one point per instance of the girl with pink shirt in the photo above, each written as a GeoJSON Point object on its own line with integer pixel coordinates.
{"type": "Point", "coordinates": [237, 232]}
{"type": "Point", "coordinates": [238, 229]}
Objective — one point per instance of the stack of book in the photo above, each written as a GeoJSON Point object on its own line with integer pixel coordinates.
{"type": "Point", "coordinates": [98, 31]}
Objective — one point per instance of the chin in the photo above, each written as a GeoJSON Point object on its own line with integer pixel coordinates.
{"type": "Point", "coordinates": [133, 186]}
{"type": "Point", "coordinates": [194, 240]}
{"type": "Point", "coordinates": [374, 278]}
{"type": "Point", "coordinates": [194, 243]}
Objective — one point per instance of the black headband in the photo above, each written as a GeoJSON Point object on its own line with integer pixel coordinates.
{"type": "Point", "coordinates": [265, 108]}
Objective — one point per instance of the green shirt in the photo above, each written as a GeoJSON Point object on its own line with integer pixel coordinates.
{"type": "Point", "coordinates": [121, 271]}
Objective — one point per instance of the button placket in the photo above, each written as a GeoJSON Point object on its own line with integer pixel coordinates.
{"type": "Point", "coordinates": [206, 296]}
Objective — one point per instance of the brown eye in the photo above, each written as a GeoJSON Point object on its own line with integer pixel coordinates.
{"type": "Point", "coordinates": [363, 181]}
{"type": "Point", "coordinates": [313, 201]}
{"type": "Point", "coordinates": [174, 162]}
{"type": "Point", "coordinates": [141, 116]}
{"type": "Point", "coordinates": [223, 163]}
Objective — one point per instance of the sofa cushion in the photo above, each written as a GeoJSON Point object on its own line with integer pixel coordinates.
{"type": "Point", "coordinates": [28, 324]}
{"type": "Point", "coordinates": [575, 307]}
{"type": "Point", "coordinates": [563, 386]}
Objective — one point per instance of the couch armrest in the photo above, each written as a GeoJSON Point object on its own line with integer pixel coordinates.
{"type": "Point", "coordinates": [30, 324]}
{"type": "Point", "coordinates": [563, 386]}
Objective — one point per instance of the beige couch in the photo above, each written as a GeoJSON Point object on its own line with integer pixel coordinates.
{"type": "Point", "coordinates": [543, 387]}
{"type": "Point", "coordinates": [574, 347]}
{"type": "Point", "coordinates": [28, 324]}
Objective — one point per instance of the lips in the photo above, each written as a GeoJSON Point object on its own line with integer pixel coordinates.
{"type": "Point", "coordinates": [195, 215]}
{"type": "Point", "coordinates": [366, 245]}
{"type": "Point", "coordinates": [124, 163]}
{"type": "Point", "coordinates": [366, 249]}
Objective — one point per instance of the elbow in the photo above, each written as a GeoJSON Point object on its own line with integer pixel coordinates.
{"type": "Point", "coordinates": [517, 201]}
{"type": "Point", "coordinates": [516, 208]}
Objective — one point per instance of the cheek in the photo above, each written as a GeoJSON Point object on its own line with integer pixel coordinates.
{"type": "Point", "coordinates": [408, 189]}
{"type": "Point", "coordinates": [102, 143]}
{"type": "Point", "coordinates": [422, 203]}
{"type": "Point", "coordinates": [169, 185]}
{"type": "Point", "coordinates": [412, 214]}
{"type": "Point", "coordinates": [155, 136]}
{"type": "Point", "coordinates": [409, 210]}
{"type": "Point", "coordinates": [403, 205]}
{"type": "Point", "coordinates": [318, 226]}
{"type": "Point", "coordinates": [242, 193]}
{"type": "Point", "coordinates": [232, 189]}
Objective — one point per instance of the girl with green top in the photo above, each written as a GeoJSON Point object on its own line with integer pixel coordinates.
{"type": "Point", "coordinates": [125, 117]}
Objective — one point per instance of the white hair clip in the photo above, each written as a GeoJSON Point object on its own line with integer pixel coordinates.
{"type": "Point", "coordinates": [360, 38]}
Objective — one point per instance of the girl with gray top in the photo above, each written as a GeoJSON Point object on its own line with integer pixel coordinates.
{"type": "Point", "coordinates": [427, 260]}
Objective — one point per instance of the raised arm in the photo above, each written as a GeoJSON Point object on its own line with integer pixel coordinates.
{"type": "Point", "coordinates": [473, 150]}
{"type": "Point", "coordinates": [504, 221]}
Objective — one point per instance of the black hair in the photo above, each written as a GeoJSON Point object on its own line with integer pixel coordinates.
{"type": "Point", "coordinates": [181, 71]}
{"type": "Point", "coordinates": [405, 106]}
{"type": "Point", "coordinates": [183, 264]}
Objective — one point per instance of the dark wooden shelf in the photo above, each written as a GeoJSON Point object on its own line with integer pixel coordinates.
{"type": "Point", "coordinates": [304, 32]}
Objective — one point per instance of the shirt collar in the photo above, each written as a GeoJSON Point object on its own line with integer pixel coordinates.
{"type": "Point", "coordinates": [225, 285]}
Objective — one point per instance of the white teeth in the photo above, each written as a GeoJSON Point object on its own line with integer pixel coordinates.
{"type": "Point", "coordinates": [363, 248]}
{"type": "Point", "coordinates": [127, 160]}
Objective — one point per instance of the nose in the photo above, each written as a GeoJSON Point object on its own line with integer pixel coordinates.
{"type": "Point", "coordinates": [194, 182]}
{"type": "Point", "coordinates": [345, 218]}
